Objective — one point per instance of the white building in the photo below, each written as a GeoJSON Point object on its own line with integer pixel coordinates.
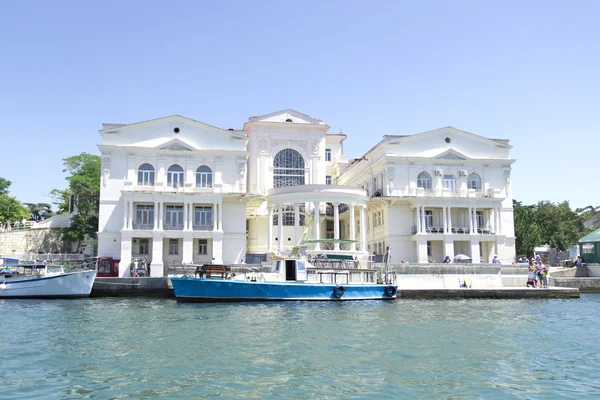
{"type": "Point", "coordinates": [177, 190]}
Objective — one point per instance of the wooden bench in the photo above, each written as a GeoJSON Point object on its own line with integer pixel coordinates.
{"type": "Point", "coordinates": [211, 269]}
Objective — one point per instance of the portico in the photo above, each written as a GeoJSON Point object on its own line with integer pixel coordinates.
{"type": "Point", "coordinates": [313, 199]}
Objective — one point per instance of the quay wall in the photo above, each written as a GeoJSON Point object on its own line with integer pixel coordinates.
{"type": "Point", "coordinates": [449, 276]}
{"type": "Point", "coordinates": [137, 287]}
{"type": "Point", "coordinates": [19, 241]}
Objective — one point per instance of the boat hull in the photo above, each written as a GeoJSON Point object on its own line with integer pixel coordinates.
{"type": "Point", "coordinates": [222, 290]}
{"type": "Point", "coordinates": [68, 285]}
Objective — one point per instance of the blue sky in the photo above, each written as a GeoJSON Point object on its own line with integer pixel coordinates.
{"type": "Point", "coordinates": [527, 71]}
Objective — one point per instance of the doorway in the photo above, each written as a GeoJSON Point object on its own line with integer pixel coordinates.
{"type": "Point", "coordinates": [290, 270]}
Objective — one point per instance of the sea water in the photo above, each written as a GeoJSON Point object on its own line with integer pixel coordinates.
{"type": "Point", "coordinates": [145, 348]}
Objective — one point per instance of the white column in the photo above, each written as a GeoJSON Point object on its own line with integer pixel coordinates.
{"type": "Point", "coordinates": [422, 219]}
{"type": "Point", "coordinates": [221, 216]}
{"type": "Point", "coordinates": [475, 225]}
{"type": "Point", "coordinates": [161, 215]}
{"type": "Point", "coordinates": [280, 228]}
{"type": "Point", "coordinates": [336, 225]}
{"type": "Point", "coordinates": [445, 219]}
{"type": "Point", "coordinates": [499, 221]}
{"type": "Point", "coordinates": [316, 227]}
{"type": "Point", "coordinates": [494, 220]}
{"type": "Point", "coordinates": [297, 222]}
{"type": "Point", "coordinates": [270, 230]}
{"type": "Point", "coordinates": [417, 221]}
{"type": "Point", "coordinates": [449, 219]}
{"type": "Point", "coordinates": [185, 216]}
{"type": "Point", "coordinates": [125, 213]}
{"type": "Point", "coordinates": [352, 228]}
{"type": "Point", "coordinates": [363, 228]}
{"type": "Point", "coordinates": [155, 227]}
{"type": "Point", "coordinates": [471, 220]}
{"type": "Point", "coordinates": [214, 216]}
{"type": "Point", "coordinates": [130, 223]}
{"type": "Point", "coordinates": [191, 217]}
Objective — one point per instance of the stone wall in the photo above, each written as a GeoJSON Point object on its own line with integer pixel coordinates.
{"type": "Point", "coordinates": [33, 241]}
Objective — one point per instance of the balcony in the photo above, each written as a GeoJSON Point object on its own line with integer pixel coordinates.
{"type": "Point", "coordinates": [198, 227]}
{"type": "Point", "coordinates": [456, 230]}
{"type": "Point", "coordinates": [141, 226]}
{"type": "Point", "coordinates": [172, 227]}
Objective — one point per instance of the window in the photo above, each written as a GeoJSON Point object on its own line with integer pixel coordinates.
{"type": "Point", "coordinates": [204, 177]}
{"type": "Point", "coordinates": [429, 249]}
{"type": "Point", "coordinates": [428, 220]}
{"type": "Point", "coordinates": [144, 215]}
{"type": "Point", "coordinates": [203, 217]}
{"type": "Point", "coordinates": [144, 246]}
{"type": "Point", "coordinates": [479, 218]}
{"type": "Point", "coordinates": [202, 247]}
{"type": "Point", "coordinates": [329, 231]}
{"type": "Point", "coordinates": [146, 175]}
{"type": "Point", "coordinates": [474, 182]}
{"type": "Point", "coordinates": [288, 216]}
{"type": "Point", "coordinates": [327, 154]}
{"type": "Point", "coordinates": [424, 181]}
{"type": "Point", "coordinates": [174, 217]}
{"type": "Point", "coordinates": [449, 182]}
{"type": "Point", "coordinates": [175, 176]}
{"type": "Point", "coordinates": [173, 247]}
{"type": "Point", "coordinates": [328, 180]}
{"type": "Point", "coordinates": [288, 169]}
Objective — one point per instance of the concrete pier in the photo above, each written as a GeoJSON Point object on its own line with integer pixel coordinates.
{"type": "Point", "coordinates": [161, 287]}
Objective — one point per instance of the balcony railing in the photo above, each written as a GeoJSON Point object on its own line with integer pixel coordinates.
{"type": "Point", "coordinates": [139, 226]}
{"type": "Point", "coordinates": [457, 230]}
{"type": "Point", "coordinates": [173, 227]}
{"type": "Point", "coordinates": [198, 227]}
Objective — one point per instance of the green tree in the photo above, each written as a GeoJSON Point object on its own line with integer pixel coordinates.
{"type": "Point", "coordinates": [560, 226]}
{"type": "Point", "coordinates": [527, 232]}
{"type": "Point", "coordinates": [82, 197]}
{"type": "Point", "coordinates": [39, 210]}
{"type": "Point", "coordinates": [4, 185]}
{"type": "Point", "coordinates": [10, 208]}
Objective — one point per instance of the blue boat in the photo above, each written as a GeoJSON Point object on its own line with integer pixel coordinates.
{"type": "Point", "coordinates": [327, 277]}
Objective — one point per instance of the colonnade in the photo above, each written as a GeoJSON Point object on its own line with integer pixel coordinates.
{"type": "Point", "coordinates": [188, 214]}
{"type": "Point", "coordinates": [496, 220]}
{"type": "Point", "coordinates": [279, 208]}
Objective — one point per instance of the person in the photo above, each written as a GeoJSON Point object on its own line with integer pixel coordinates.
{"type": "Point", "coordinates": [135, 268]}
{"type": "Point", "coordinates": [495, 260]}
{"type": "Point", "coordinates": [520, 259]}
{"type": "Point", "coordinates": [531, 275]}
{"type": "Point", "coordinates": [84, 264]}
{"type": "Point", "coordinates": [544, 276]}
{"type": "Point", "coordinates": [540, 273]}
{"type": "Point", "coordinates": [447, 260]}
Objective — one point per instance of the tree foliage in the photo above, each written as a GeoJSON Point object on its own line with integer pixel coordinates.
{"type": "Point", "coordinates": [10, 208]}
{"type": "Point", "coordinates": [555, 224]}
{"type": "Point", "coordinates": [39, 211]}
{"type": "Point", "coordinates": [4, 185]}
{"type": "Point", "coordinates": [83, 195]}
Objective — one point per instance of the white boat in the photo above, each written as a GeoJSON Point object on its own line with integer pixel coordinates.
{"type": "Point", "coordinates": [43, 281]}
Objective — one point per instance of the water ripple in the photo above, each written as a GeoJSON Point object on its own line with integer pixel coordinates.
{"type": "Point", "coordinates": [157, 348]}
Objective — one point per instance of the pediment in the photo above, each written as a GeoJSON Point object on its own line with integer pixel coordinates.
{"type": "Point", "coordinates": [451, 155]}
{"type": "Point", "coordinates": [175, 145]}
{"type": "Point", "coordinates": [287, 116]}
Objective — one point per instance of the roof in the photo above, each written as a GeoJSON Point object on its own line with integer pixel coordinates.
{"type": "Point", "coordinates": [591, 237]}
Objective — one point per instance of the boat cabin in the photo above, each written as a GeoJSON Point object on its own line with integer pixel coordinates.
{"type": "Point", "coordinates": [290, 269]}
{"type": "Point", "coordinates": [28, 270]}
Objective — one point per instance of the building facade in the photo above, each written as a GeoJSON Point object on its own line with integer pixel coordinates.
{"type": "Point", "coordinates": [177, 190]}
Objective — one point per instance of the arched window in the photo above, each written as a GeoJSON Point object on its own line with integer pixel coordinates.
{"type": "Point", "coordinates": [449, 182]}
{"type": "Point", "coordinates": [424, 181]}
{"type": "Point", "coordinates": [474, 182]}
{"type": "Point", "coordinates": [288, 169]}
{"type": "Point", "coordinates": [204, 177]}
{"type": "Point", "coordinates": [146, 175]}
{"type": "Point", "coordinates": [175, 176]}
